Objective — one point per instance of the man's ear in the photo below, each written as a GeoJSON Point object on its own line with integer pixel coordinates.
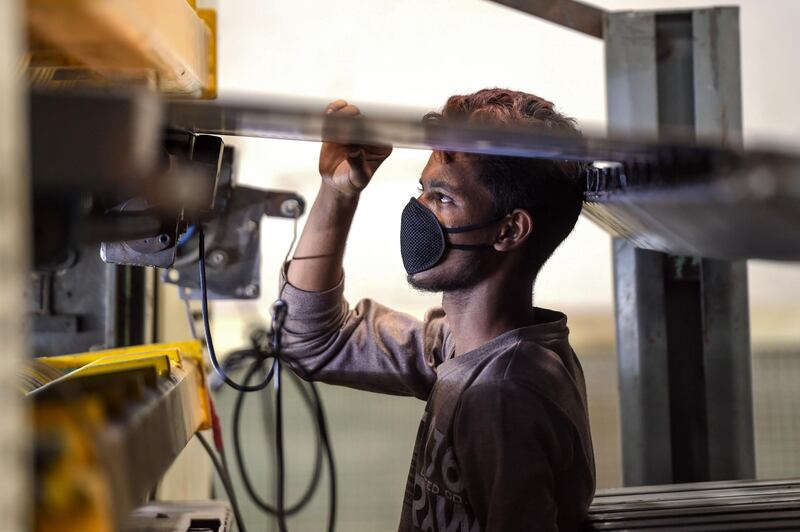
{"type": "Point", "coordinates": [516, 228]}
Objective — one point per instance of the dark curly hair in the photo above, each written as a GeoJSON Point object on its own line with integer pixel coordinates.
{"type": "Point", "coordinates": [549, 190]}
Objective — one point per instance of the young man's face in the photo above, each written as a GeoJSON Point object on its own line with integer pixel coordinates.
{"type": "Point", "coordinates": [452, 191]}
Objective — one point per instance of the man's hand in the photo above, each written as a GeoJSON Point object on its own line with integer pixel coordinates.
{"type": "Point", "coordinates": [348, 168]}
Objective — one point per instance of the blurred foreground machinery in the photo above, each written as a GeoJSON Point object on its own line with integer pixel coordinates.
{"type": "Point", "coordinates": [107, 424]}
{"type": "Point", "coordinates": [116, 194]}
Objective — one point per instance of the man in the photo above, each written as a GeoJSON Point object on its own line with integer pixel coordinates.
{"type": "Point", "coordinates": [504, 442]}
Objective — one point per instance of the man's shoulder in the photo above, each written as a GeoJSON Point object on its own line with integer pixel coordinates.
{"type": "Point", "coordinates": [528, 368]}
{"type": "Point", "coordinates": [534, 371]}
{"type": "Point", "coordinates": [435, 314]}
{"type": "Point", "coordinates": [551, 370]}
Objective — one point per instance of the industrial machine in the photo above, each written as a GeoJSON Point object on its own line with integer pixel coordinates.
{"type": "Point", "coordinates": [118, 194]}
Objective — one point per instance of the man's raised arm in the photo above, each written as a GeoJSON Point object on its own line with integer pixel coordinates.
{"type": "Point", "coordinates": [346, 170]}
{"type": "Point", "coordinates": [368, 347]}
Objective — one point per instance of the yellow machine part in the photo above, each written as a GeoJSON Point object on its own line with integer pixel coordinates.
{"type": "Point", "coordinates": [87, 466]}
{"type": "Point", "coordinates": [74, 496]}
{"type": "Point", "coordinates": [209, 16]}
{"type": "Point", "coordinates": [159, 356]}
{"type": "Point", "coordinates": [166, 45]}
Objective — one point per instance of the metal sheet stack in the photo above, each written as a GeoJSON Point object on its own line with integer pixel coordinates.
{"type": "Point", "coordinates": [730, 505]}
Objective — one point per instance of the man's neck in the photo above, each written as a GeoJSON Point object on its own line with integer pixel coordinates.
{"type": "Point", "coordinates": [487, 310]}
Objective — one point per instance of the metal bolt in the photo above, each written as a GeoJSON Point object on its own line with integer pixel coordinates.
{"type": "Point", "coordinates": [217, 258]}
{"type": "Point", "coordinates": [251, 290]}
{"type": "Point", "coordinates": [290, 208]}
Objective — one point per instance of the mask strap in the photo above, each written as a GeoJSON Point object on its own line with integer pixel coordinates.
{"type": "Point", "coordinates": [473, 227]}
{"type": "Point", "coordinates": [466, 229]}
{"type": "Point", "coordinates": [470, 247]}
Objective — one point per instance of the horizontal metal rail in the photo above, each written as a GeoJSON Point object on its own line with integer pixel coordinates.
{"type": "Point", "coordinates": [584, 18]}
{"type": "Point", "coordinates": [281, 120]}
{"type": "Point", "coordinates": [678, 197]}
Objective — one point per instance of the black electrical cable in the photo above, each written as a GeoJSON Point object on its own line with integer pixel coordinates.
{"type": "Point", "coordinates": [267, 406]}
{"type": "Point", "coordinates": [280, 311]}
{"type": "Point", "coordinates": [315, 403]}
{"type": "Point", "coordinates": [239, 452]}
{"type": "Point", "coordinates": [279, 457]}
{"type": "Point", "coordinates": [231, 493]}
{"type": "Point", "coordinates": [233, 360]}
{"type": "Point", "coordinates": [226, 482]}
{"type": "Point", "coordinates": [278, 318]}
{"type": "Point", "coordinates": [322, 422]}
{"type": "Point", "coordinates": [317, 470]}
{"type": "Point", "coordinates": [207, 327]}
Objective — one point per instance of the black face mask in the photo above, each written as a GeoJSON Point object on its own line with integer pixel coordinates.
{"type": "Point", "coordinates": [423, 240]}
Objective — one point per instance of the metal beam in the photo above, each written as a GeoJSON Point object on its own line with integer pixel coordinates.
{"type": "Point", "coordinates": [682, 321]}
{"type": "Point", "coordinates": [639, 146]}
{"type": "Point", "coordinates": [677, 197]}
{"type": "Point", "coordinates": [574, 15]}
{"type": "Point", "coordinates": [643, 366]}
{"type": "Point", "coordinates": [681, 198]}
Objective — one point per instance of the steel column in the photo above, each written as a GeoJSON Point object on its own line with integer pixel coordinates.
{"type": "Point", "coordinates": [682, 322]}
{"type": "Point", "coordinates": [643, 366]}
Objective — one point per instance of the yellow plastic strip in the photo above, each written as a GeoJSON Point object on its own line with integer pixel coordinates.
{"type": "Point", "coordinates": [113, 364]}
{"type": "Point", "coordinates": [175, 350]}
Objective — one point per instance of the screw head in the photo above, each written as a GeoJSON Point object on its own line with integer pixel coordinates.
{"type": "Point", "coordinates": [251, 290]}
{"type": "Point", "coordinates": [290, 208]}
{"type": "Point", "coordinates": [217, 257]}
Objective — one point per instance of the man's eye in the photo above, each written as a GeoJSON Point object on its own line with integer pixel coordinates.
{"type": "Point", "coordinates": [445, 199]}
